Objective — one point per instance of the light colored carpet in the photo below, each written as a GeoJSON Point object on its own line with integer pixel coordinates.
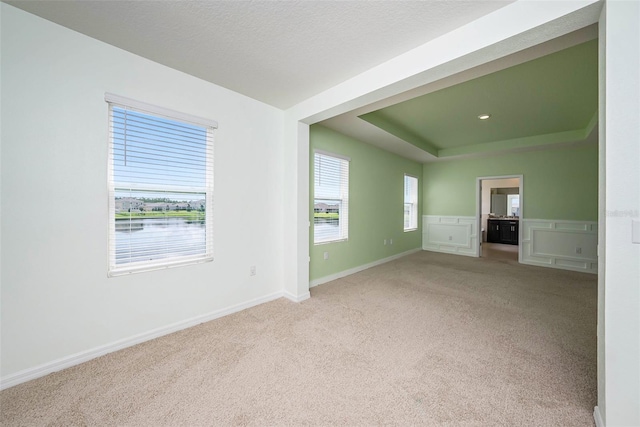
{"type": "Point", "coordinates": [500, 251]}
{"type": "Point", "coordinates": [429, 339]}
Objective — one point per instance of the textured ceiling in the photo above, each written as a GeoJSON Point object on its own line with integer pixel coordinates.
{"type": "Point", "coordinates": [540, 101]}
{"type": "Point", "coordinates": [278, 52]}
{"type": "Point", "coordinates": [284, 52]}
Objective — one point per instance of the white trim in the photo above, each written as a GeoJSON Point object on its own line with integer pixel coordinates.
{"type": "Point", "coordinates": [415, 204]}
{"type": "Point", "coordinates": [325, 242]}
{"type": "Point", "coordinates": [354, 270]}
{"type": "Point", "coordinates": [128, 269]}
{"type": "Point", "coordinates": [154, 109]}
{"type": "Point", "coordinates": [330, 154]}
{"type": "Point", "coordinates": [549, 243]}
{"type": "Point", "coordinates": [141, 266]}
{"type": "Point", "coordinates": [339, 176]}
{"type": "Point", "coordinates": [461, 234]}
{"type": "Point", "coordinates": [479, 208]}
{"type": "Point", "coordinates": [84, 356]}
{"type": "Point", "coordinates": [298, 298]}
{"type": "Point", "coordinates": [597, 417]}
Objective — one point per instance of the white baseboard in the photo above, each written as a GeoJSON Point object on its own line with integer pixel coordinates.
{"type": "Point", "coordinates": [556, 243]}
{"type": "Point", "coordinates": [295, 298]}
{"type": "Point", "coordinates": [597, 417]}
{"type": "Point", "coordinates": [354, 270]}
{"type": "Point", "coordinates": [456, 235]}
{"type": "Point", "coordinates": [84, 356]}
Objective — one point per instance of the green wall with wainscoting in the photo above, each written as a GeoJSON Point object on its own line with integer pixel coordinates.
{"type": "Point", "coordinates": [376, 198]}
{"type": "Point", "coordinates": [559, 183]}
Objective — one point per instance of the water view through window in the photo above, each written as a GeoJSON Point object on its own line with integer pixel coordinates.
{"type": "Point", "coordinates": [161, 187]}
{"type": "Point", "coordinates": [331, 198]}
{"type": "Point", "coordinates": [326, 219]}
{"type": "Point", "coordinates": [149, 229]}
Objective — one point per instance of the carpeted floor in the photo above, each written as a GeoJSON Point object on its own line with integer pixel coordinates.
{"type": "Point", "coordinates": [499, 251]}
{"type": "Point", "coordinates": [429, 339]}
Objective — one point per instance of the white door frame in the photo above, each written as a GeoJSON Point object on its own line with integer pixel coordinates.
{"type": "Point", "coordinates": [479, 209]}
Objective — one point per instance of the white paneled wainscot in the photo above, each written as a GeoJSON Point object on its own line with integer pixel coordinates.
{"type": "Point", "coordinates": [450, 234]}
{"type": "Point", "coordinates": [569, 245]}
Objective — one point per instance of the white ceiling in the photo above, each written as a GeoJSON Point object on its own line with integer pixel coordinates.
{"type": "Point", "coordinates": [278, 52]}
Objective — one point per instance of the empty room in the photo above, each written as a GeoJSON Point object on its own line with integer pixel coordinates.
{"type": "Point", "coordinates": [320, 213]}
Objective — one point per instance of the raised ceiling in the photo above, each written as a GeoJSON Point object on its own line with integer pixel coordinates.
{"type": "Point", "coordinates": [284, 52]}
{"type": "Point", "coordinates": [278, 52]}
{"type": "Point", "coordinates": [550, 99]}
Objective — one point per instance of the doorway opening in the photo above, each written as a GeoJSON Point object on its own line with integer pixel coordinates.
{"type": "Point", "coordinates": [499, 208]}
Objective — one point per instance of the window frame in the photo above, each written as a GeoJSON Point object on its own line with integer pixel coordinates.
{"type": "Point", "coordinates": [115, 269]}
{"type": "Point", "coordinates": [510, 198]}
{"type": "Point", "coordinates": [343, 214]}
{"type": "Point", "coordinates": [413, 204]}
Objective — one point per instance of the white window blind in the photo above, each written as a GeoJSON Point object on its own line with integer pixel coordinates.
{"type": "Point", "coordinates": [160, 177]}
{"type": "Point", "coordinates": [331, 198]}
{"type": "Point", "coordinates": [410, 203]}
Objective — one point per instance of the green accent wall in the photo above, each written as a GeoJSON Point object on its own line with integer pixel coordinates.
{"type": "Point", "coordinates": [559, 183]}
{"type": "Point", "coordinates": [376, 197]}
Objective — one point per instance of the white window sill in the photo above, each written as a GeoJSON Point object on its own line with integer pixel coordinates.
{"type": "Point", "coordinates": [330, 241]}
{"type": "Point", "coordinates": [126, 270]}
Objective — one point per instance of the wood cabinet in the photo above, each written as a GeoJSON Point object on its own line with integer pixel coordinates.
{"type": "Point", "coordinates": [503, 231]}
{"type": "Point", "coordinates": [493, 232]}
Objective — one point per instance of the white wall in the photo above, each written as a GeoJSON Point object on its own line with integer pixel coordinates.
{"type": "Point", "coordinates": [56, 298]}
{"type": "Point", "coordinates": [295, 186]}
{"type": "Point", "coordinates": [619, 284]}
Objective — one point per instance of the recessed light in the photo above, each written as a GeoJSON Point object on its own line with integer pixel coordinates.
{"type": "Point", "coordinates": [484, 116]}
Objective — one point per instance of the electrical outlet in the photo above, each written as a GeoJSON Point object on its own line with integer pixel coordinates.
{"type": "Point", "coordinates": [326, 255]}
{"type": "Point", "coordinates": [450, 237]}
{"type": "Point", "coordinates": [578, 250]}
{"type": "Point", "coordinates": [391, 241]}
{"type": "Point", "coordinates": [252, 270]}
{"type": "Point", "coordinates": [635, 231]}
{"type": "Point", "coordinates": [385, 242]}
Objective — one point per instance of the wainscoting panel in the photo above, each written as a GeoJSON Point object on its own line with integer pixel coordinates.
{"type": "Point", "coordinates": [450, 234]}
{"type": "Point", "coordinates": [569, 245]}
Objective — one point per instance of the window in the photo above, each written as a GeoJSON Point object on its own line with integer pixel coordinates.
{"type": "Point", "coordinates": [410, 203]}
{"type": "Point", "coordinates": [160, 178]}
{"type": "Point", "coordinates": [331, 198]}
{"type": "Point", "coordinates": [513, 205]}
